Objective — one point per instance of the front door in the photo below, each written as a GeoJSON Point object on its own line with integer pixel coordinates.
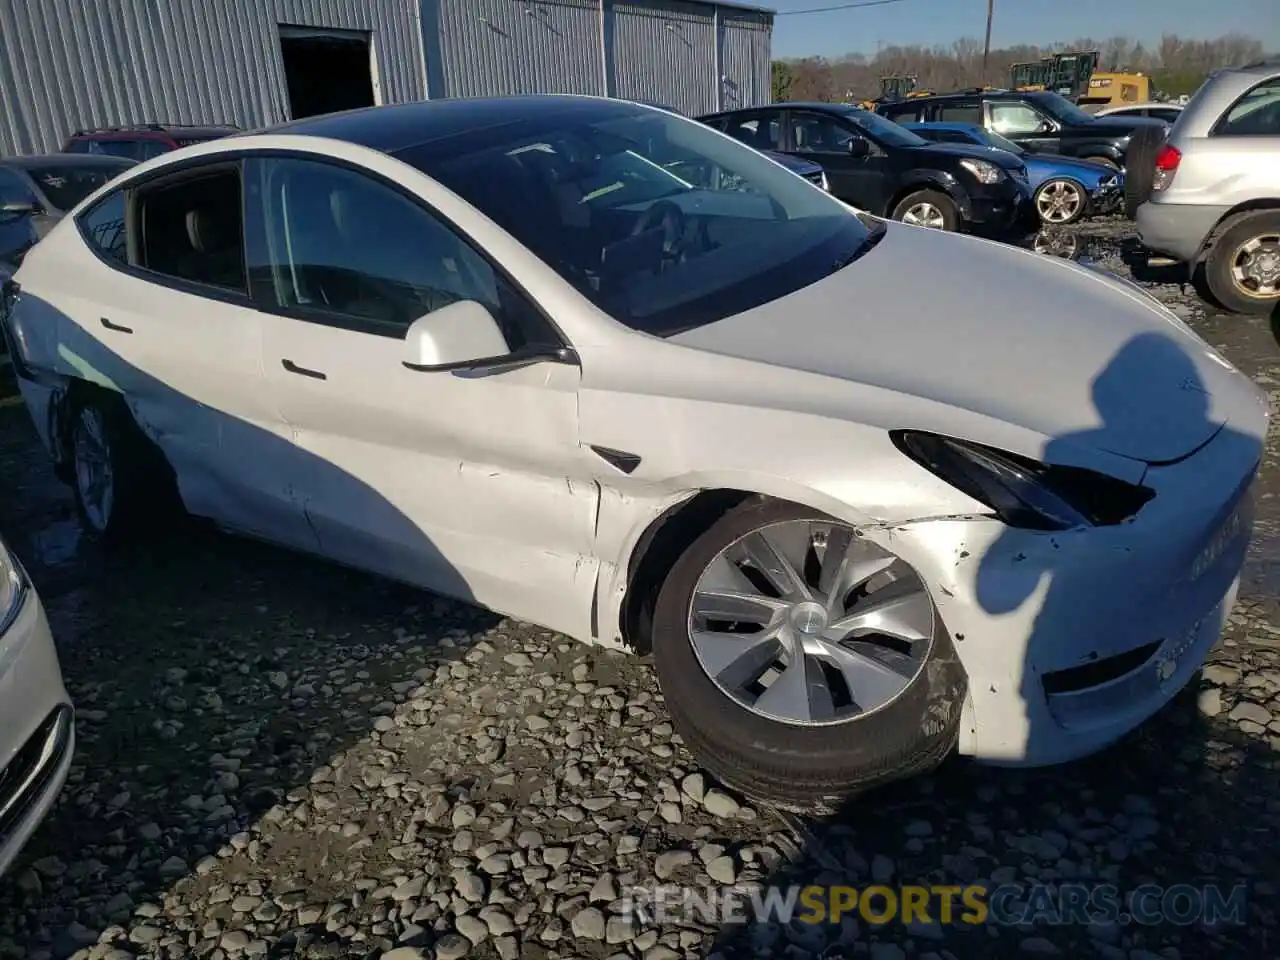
{"type": "Point", "coordinates": [858, 178]}
{"type": "Point", "coordinates": [473, 486]}
{"type": "Point", "coordinates": [1024, 125]}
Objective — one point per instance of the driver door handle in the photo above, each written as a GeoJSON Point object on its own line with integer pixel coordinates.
{"type": "Point", "coordinates": [303, 371]}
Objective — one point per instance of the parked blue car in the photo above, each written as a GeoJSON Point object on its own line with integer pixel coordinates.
{"type": "Point", "coordinates": [1064, 189]}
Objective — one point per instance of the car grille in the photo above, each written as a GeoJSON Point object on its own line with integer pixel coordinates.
{"type": "Point", "coordinates": [1109, 183]}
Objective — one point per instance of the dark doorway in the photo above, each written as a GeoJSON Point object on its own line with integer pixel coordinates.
{"type": "Point", "coordinates": [326, 70]}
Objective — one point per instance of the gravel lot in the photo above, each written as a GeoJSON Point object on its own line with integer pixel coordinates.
{"type": "Point", "coordinates": [280, 758]}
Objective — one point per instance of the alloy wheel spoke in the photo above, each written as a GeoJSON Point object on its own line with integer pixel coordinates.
{"type": "Point", "coordinates": [900, 609]}
{"type": "Point", "coordinates": [736, 607]}
{"type": "Point", "coordinates": [871, 682]}
{"type": "Point", "coordinates": [801, 692]}
{"type": "Point", "coordinates": [769, 559]}
{"type": "Point", "coordinates": [735, 660]}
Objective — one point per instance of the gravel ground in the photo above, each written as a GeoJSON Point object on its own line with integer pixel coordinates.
{"type": "Point", "coordinates": [280, 758]}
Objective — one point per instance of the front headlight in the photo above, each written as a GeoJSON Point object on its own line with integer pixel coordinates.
{"type": "Point", "coordinates": [984, 171]}
{"type": "Point", "coordinates": [826, 185]}
{"type": "Point", "coordinates": [1021, 492]}
{"type": "Point", "coordinates": [13, 588]}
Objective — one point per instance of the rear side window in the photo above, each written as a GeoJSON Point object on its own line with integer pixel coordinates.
{"type": "Point", "coordinates": [103, 228]}
{"type": "Point", "coordinates": [961, 113]}
{"type": "Point", "coordinates": [115, 148]}
{"type": "Point", "coordinates": [1256, 114]}
{"type": "Point", "coordinates": [76, 146]}
{"type": "Point", "coordinates": [761, 132]}
{"type": "Point", "coordinates": [191, 229]}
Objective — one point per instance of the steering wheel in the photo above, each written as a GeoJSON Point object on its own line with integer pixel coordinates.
{"type": "Point", "coordinates": [671, 218]}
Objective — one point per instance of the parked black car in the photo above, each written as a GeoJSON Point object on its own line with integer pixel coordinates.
{"type": "Point", "coordinates": [877, 166]}
{"type": "Point", "coordinates": [1041, 122]}
{"type": "Point", "coordinates": [36, 191]}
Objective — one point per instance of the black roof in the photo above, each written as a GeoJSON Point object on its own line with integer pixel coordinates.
{"type": "Point", "coordinates": [400, 127]}
{"type": "Point", "coordinates": [46, 161]}
{"type": "Point", "coordinates": [175, 130]}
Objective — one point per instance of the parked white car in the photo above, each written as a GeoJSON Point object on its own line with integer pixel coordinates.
{"type": "Point", "coordinates": [496, 348]}
{"type": "Point", "coordinates": [36, 721]}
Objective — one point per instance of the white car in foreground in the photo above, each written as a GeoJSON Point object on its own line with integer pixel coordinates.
{"type": "Point", "coordinates": [36, 725]}
{"type": "Point", "coordinates": [602, 368]}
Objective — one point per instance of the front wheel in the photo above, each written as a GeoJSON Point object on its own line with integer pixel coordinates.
{"type": "Point", "coordinates": [1243, 269]}
{"type": "Point", "coordinates": [800, 662]}
{"type": "Point", "coordinates": [928, 208]}
{"type": "Point", "coordinates": [1061, 201]}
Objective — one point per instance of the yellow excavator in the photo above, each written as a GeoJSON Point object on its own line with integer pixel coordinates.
{"type": "Point", "coordinates": [893, 89]}
{"type": "Point", "coordinates": [1113, 89]}
{"type": "Point", "coordinates": [1067, 74]}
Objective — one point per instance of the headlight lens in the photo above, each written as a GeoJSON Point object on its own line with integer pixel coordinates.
{"type": "Point", "coordinates": [984, 171]}
{"type": "Point", "coordinates": [1021, 492]}
{"type": "Point", "coordinates": [13, 588]}
{"type": "Point", "coordinates": [825, 184]}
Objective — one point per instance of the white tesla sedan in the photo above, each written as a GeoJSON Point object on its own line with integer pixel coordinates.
{"type": "Point", "coordinates": [36, 727]}
{"type": "Point", "coordinates": [602, 368]}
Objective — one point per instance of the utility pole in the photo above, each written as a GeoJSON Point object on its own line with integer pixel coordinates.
{"type": "Point", "coordinates": [986, 49]}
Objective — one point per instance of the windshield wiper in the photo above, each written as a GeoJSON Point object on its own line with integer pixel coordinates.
{"type": "Point", "coordinates": [875, 235]}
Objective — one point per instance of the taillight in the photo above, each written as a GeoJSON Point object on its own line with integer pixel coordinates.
{"type": "Point", "coordinates": [1167, 160]}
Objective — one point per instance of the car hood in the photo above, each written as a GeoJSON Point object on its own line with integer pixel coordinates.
{"type": "Point", "coordinates": [1001, 158]}
{"type": "Point", "coordinates": [1036, 342]}
{"type": "Point", "coordinates": [794, 164]}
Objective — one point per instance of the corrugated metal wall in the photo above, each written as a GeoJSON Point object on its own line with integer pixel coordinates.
{"type": "Point", "coordinates": [664, 52]}
{"type": "Point", "coordinates": [76, 63]}
{"type": "Point", "coordinates": [495, 47]}
{"type": "Point", "coordinates": [745, 63]}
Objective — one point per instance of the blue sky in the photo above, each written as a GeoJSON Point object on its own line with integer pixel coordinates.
{"type": "Point", "coordinates": [1015, 21]}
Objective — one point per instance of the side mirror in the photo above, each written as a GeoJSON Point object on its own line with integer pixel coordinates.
{"type": "Point", "coordinates": [19, 208]}
{"type": "Point", "coordinates": [859, 148]}
{"type": "Point", "coordinates": [1045, 127]}
{"type": "Point", "coordinates": [464, 337]}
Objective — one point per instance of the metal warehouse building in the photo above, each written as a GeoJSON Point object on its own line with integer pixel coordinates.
{"type": "Point", "coordinates": [67, 64]}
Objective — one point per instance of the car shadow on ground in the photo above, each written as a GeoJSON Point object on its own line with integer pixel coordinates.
{"type": "Point", "coordinates": [1160, 840]}
{"type": "Point", "coordinates": [257, 680]}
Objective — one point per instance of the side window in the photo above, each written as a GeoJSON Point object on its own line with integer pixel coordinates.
{"type": "Point", "coordinates": [1256, 114]}
{"type": "Point", "coordinates": [76, 146]}
{"type": "Point", "coordinates": [14, 189]}
{"type": "Point", "coordinates": [191, 229]}
{"type": "Point", "coordinates": [903, 113]}
{"type": "Point", "coordinates": [117, 148]}
{"type": "Point", "coordinates": [341, 242]}
{"type": "Point", "coordinates": [103, 228]}
{"type": "Point", "coordinates": [1162, 113]}
{"type": "Point", "coordinates": [964, 111]}
{"type": "Point", "coordinates": [1014, 119]}
{"type": "Point", "coordinates": [150, 148]}
{"type": "Point", "coordinates": [812, 133]}
{"type": "Point", "coordinates": [763, 132]}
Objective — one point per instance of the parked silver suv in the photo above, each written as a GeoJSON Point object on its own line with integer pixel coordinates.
{"type": "Point", "coordinates": [1215, 195]}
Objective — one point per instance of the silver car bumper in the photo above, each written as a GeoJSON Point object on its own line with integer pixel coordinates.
{"type": "Point", "coordinates": [37, 729]}
{"type": "Point", "coordinates": [1176, 229]}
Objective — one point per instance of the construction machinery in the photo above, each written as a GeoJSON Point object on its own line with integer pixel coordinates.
{"type": "Point", "coordinates": [1109, 89]}
{"type": "Point", "coordinates": [1067, 74]}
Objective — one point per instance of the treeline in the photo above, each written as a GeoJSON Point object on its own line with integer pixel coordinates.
{"type": "Point", "coordinates": [1176, 65]}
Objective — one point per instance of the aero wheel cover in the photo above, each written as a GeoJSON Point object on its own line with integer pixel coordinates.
{"type": "Point", "coordinates": [95, 478]}
{"type": "Point", "coordinates": [1059, 201]}
{"type": "Point", "coordinates": [804, 622]}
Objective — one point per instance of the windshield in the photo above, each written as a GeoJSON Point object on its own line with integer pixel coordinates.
{"type": "Point", "coordinates": [885, 130]}
{"type": "Point", "coordinates": [65, 185]}
{"type": "Point", "coordinates": [660, 221]}
{"type": "Point", "coordinates": [1000, 143]}
{"type": "Point", "coordinates": [1062, 109]}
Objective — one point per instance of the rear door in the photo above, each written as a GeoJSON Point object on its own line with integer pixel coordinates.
{"type": "Point", "coordinates": [163, 314]}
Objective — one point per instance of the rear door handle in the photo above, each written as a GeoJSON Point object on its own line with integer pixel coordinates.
{"type": "Point", "coordinates": [303, 371]}
{"type": "Point", "coordinates": [118, 328]}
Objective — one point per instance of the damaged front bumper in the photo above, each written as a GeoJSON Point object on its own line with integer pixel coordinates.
{"type": "Point", "coordinates": [1072, 639]}
{"type": "Point", "coordinates": [1108, 195]}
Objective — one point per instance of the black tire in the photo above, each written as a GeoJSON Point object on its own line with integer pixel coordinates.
{"type": "Point", "coordinates": [801, 768]}
{"type": "Point", "coordinates": [1140, 169]}
{"type": "Point", "coordinates": [1218, 267]}
{"type": "Point", "coordinates": [144, 497]}
{"type": "Point", "coordinates": [944, 204]}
